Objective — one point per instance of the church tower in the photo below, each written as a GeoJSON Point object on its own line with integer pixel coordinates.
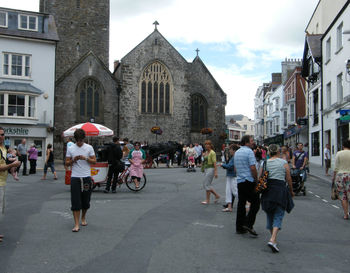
{"type": "Point", "coordinates": [83, 26]}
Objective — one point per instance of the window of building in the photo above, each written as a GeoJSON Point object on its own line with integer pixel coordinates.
{"type": "Point", "coordinates": [78, 4]}
{"type": "Point", "coordinates": [285, 118]}
{"type": "Point", "coordinates": [28, 22]}
{"type": "Point", "coordinates": [17, 105]}
{"type": "Point", "coordinates": [315, 141]}
{"type": "Point", "coordinates": [340, 37]}
{"type": "Point", "coordinates": [245, 127]}
{"type": "Point", "coordinates": [277, 125]}
{"type": "Point", "coordinates": [292, 113]}
{"type": "Point", "coordinates": [16, 65]}
{"type": "Point", "coordinates": [340, 88]}
{"type": "Point", "coordinates": [199, 111]}
{"type": "Point", "coordinates": [277, 106]}
{"type": "Point", "coordinates": [329, 95]}
{"type": "Point", "coordinates": [328, 49]}
{"type": "Point", "coordinates": [156, 90]}
{"type": "Point", "coordinates": [271, 128]}
{"type": "Point", "coordinates": [89, 98]}
{"type": "Point", "coordinates": [3, 19]}
{"type": "Point", "coordinates": [315, 107]}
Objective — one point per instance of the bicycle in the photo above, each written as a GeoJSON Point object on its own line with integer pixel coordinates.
{"type": "Point", "coordinates": [125, 177]}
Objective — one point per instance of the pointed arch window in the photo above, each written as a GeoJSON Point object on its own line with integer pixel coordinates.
{"type": "Point", "coordinates": [89, 101]}
{"type": "Point", "coordinates": [156, 90]}
{"type": "Point", "coordinates": [199, 107]}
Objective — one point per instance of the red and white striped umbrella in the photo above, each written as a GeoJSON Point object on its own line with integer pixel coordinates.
{"type": "Point", "coordinates": [91, 129]}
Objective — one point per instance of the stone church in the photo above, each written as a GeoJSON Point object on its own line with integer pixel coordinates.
{"type": "Point", "coordinates": [153, 85]}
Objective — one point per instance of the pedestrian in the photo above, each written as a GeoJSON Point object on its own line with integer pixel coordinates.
{"type": "Point", "coordinates": [22, 153]}
{"type": "Point", "coordinates": [285, 153]}
{"type": "Point", "coordinates": [4, 167]}
{"type": "Point", "coordinates": [277, 198]}
{"type": "Point", "coordinates": [299, 160]}
{"type": "Point", "coordinates": [137, 157]}
{"type": "Point", "coordinates": [210, 169]}
{"type": "Point", "coordinates": [341, 177]}
{"type": "Point", "coordinates": [80, 156]}
{"type": "Point", "coordinates": [12, 157]}
{"type": "Point", "coordinates": [114, 155]}
{"type": "Point", "coordinates": [245, 164]}
{"type": "Point", "coordinates": [49, 162]}
{"type": "Point", "coordinates": [327, 158]}
{"type": "Point", "coordinates": [33, 157]}
{"type": "Point", "coordinates": [231, 179]}
{"type": "Point", "coordinates": [199, 150]}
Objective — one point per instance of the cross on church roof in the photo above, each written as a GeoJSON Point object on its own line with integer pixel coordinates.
{"type": "Point", "coordinates": [197, 50]}
{"type": "Point", "coordinates": [155, 25]}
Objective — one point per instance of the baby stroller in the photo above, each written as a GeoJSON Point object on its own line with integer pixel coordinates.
{"type": "Point", "coordinates": [191, 165]}
{"type": "Point", "coordinates": [298, 181]}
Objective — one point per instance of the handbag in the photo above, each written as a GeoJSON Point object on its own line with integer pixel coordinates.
{"type": "Point", "coordinates": [334, 192]}
{"type": "Point", "coordinates": [261, 185]}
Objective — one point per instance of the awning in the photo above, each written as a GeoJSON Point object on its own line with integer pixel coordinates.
{"type": "Point", "coordinates": [20, 87]}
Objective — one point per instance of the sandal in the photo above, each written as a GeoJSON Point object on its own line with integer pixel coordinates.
{"type": "Point", "coordinates": [75, 230]}
{"type": "Point", "coordinates": [205, 203]}
{"type": "Point", "coordinates": [217, 200]}
{"type": "Point", "coordinates": [227, 210]}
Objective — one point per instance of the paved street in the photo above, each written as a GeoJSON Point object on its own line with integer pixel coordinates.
{"type": "Point", "coordinates": [164, 228]}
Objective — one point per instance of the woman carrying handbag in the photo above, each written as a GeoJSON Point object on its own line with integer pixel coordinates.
{"type": "Point", "coordinates": [277, 197]}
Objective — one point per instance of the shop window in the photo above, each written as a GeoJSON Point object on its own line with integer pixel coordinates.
{"type": "Point", "coordinates": [156, 89]}
{"type": "Point", "coordinates": [199, 112]}
{"type": "Point", "coordinates": [315, 139]}
{"type": "Point", "coordinates": [39, 145]}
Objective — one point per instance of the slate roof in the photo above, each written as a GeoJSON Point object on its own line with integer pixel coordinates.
{"type": "Point", "coordinates": [46, 26]}
{"type": "Point", "coordinates": [314, 42]}
{"type": "Point", "coordinates": [20, 87]}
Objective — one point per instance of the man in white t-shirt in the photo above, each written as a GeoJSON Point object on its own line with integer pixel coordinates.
{"type": "Point", "coordinates": [327, 158]}
{"type": "Point", "coordinates": [79, 157]}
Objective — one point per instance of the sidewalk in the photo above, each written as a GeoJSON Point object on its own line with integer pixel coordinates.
{"type": "Point", "coordinates": [318, 172]}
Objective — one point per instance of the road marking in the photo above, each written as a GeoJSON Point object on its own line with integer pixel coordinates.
{"type": "Point", "coordinates": [317, 196]}
{"type": "Point", "coordinates": [335, 206]}
{"type": "Point", "coordinates": [207, 225]}
{"type": "Point", "coordinates": [102, 201]}
{"type": "Point", "coordinates": [324, 200]}
{"type": "Point", "coordinates": [311, 192]}
{"type": "Point", "coordinates": [65, 215]}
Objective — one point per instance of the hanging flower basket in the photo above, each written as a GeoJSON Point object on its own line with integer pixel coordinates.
{"type": "Point", "coordinates": [223, 136]}
{"type": "Point", "coordinates": [206, 131]}
{"type": "Point", "coordinates": [156, 130]}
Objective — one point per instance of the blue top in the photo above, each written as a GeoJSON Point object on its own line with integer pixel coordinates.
{"type": "Point", "coordinates": [230, 168]}
{"type": "Point", "coordinates": [244, 158]}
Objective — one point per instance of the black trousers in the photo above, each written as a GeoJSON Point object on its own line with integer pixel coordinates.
{"type": "Point", "coordinates": [23, 159]}
{"type": "Point", "coordinates": [112, 176]}
{"type": "Point", "coordinates": [32, 169]}
{"type": "Point", "coordinates": [246, 193]}
{"type": "Point", "coordinates": [80, 191]}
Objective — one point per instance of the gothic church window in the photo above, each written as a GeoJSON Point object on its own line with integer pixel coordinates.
{"type": "Point", "coordinates": [156, 90]}
{"type": "Point", "coordinates": [89, 100]}
{"type": "Point", "coordinates": [199, 109]}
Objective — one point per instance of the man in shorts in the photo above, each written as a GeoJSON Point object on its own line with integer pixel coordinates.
{"type": "Point", "coordinates": [79, 157]}
{"type": "Point", "coordinates": [327, 158]}
{"type": "Point", "coordinates": [3, 172]}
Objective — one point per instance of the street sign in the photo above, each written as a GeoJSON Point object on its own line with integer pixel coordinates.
{"type": "Point", "coordinates": [345, 118]}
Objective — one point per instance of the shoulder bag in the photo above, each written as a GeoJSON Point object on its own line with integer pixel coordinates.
{"type": "Point", "coordinates": [261, 185]}
{"type": "Point", "coordinates": [334, 192]}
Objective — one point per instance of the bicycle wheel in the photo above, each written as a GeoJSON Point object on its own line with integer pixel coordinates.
{"type": "Point", "coordinates": [131, 185]}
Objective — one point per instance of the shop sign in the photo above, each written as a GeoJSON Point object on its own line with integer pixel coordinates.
{"type": "Point", "coordinates": [16, 131]}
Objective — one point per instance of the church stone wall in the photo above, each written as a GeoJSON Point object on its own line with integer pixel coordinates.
{"type": "Point", "coordinates": [175, 126]}
{"type": "Point", "coordinates": [66, 102]}
{"type": "Point", "coordinates": [83, 26]}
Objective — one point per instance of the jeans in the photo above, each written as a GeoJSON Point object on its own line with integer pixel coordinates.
{"type": "Point", "coordinates": [246, 192]}
{"type": "Point", "coordinates": [274, 218]}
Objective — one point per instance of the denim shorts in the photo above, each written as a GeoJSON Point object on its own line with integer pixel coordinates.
{"type": "Point", "coordinates": [50, 165]}
{"type": "Point", "coordinates": [274, 219]}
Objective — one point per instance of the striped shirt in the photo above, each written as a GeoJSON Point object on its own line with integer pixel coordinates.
{"type": "Point", "coordinates": [244, 158]}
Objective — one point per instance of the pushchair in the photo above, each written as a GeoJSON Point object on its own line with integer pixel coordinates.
{"type": "Point", "coordinates": [191, 164]}
{"type": "Point", "coordinates": [298, 181]}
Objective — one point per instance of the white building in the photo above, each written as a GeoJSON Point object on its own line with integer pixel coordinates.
{"type": "Point", "coordinates": [259, 115]}
{"type": "Point", "coordinates": [335, 81]}
{"type": "Point", "coordinates": [27, 77]}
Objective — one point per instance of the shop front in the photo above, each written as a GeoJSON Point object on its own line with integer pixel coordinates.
{"type": "Point", "coordinates": [279, 140]}
{"type": "Point", "coordinates": [39, 136]}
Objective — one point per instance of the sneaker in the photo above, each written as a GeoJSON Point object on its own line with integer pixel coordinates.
{"type": "Point", "coordinates": [106, 191]}
{"type": "Point", "coordinates": [273, 247]}
{"type": "Point", "coordinates": [238, 231]}
{"type": "Point", "coordinates": [250, 230]}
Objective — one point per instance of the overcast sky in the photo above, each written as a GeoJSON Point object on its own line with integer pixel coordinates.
{"type": "Point", "coordinates": [241, 42]}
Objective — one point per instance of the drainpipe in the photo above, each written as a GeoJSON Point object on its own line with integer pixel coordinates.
{"type": "Point", "coordinates": [321, 111]}
{"type": "Point", "coordinates": [119, 90]}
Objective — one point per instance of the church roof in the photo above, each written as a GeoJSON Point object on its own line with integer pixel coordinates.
{"type": "Point", "coordinates": [199, 61]}
{"type": "Point", "coordinates": [156, 32]}
{"type": "Point", "coordinates": [90, 53]}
